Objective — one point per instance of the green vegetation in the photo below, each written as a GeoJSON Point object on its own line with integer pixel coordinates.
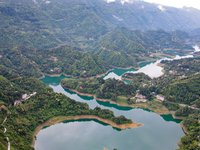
{"type": "Point", "coordinates": [112, 89]}
{"type": "Point", "coordinates": [39, 108]}
{"type": "Point", "coordinates": [82, 86]}
{"type": "Point", "coordinates": [181, 67]}
{"type": "Point", "coordinates": [166, 40]}
{"type": "Point", "coordinates": [68, 60]}
{"type": "Point", "coordinates": [180, 82]}
{"type": "Point", "coordinates": [185, 111]}
{"type": "Point", "coordinates": [123, 48]}
{"type": "Point", "coordinates": [181, 35]}
{"type": "Point", "coordinates": [191, 139]}
{"type": "Point", "coordinates": [170, 105]}
{"type": "Point", "coordinates": [137, 77]}
{"type": "Point", "coordinates": [179, 90]}
{"type": "Point", "coordinates": [78, 22]}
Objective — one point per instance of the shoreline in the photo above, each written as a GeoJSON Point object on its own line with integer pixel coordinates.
{"type": "Point", "coordinates": [147, 61]}
{"type": "Point", "coordinates": [184, 128]}
{"type": "Point", "coordinates": [118, 104]}
{"type": "Point", "coordinates": [97, 76]}
{"type": "Point", "coordinates": [59, 119]}
{"type": "Point", "coordinates": [126, 68]}
{"type": "Point", "coordinates": [58, 75]}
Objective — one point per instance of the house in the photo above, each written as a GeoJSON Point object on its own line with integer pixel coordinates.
{"type": "Point", "coordinates": [54, 58]}
{"type": "Point", "coordinates": [141, 100]}
{"type": "Point", "coordinates": [140, 96]}
{"type": "Point", "coordinates": [34, 93]}
{"type": "Point", "coordinates": [144, 85]}
{"type": "Point", "coordinates": [161, 98]}
{"type": "Point", "coordinates": [24, 96]}
{"type": "Point", "coordinates": [17, 102]}
{"type": "Point", "coordinates": [171, 71]}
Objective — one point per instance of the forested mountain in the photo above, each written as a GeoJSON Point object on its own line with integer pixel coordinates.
{"type": "Point", "coordinates": [69, 60]}
{"type": "Point", "coordinates": [123, 47]}
{"type": "Point", "coordinates": [182, 35]}
{"type": "Point", "coordinates": [44, 24]}
{"type": "Point", "coordinates": [166, 40]}
{"type": "Point", "coordinates": [180, 82]}
{"type": "Point", "coordinates": [38, 108]}
{"type": "Point", "coordinates": [185, 90]}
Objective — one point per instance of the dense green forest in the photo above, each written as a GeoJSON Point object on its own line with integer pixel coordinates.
{"type": "Point", "coordinates": [123, 48]}
{"type": "Point", "coordinates": [185, 90]}
{"type": "Point", "coordinates": [191, 122]}
{"type": "Point", "coordinates": [181, 67]}
{"type": "Point", "coordinates": [191, 139]}
{"type": "Point", "coordinates": [28, 114]}
{"type": "Point", "coordinates": [46, 24]}
{"type": "Point", "coordinates": [180, 82]}
{"type": "Point", "coordinates": [42, 25]}
{"type": "Point", "coordinates": [166, 40]}
{"type": "Point", "coordinates": [115, 90]}
{"type": "Point", "coordinates": [68, 60]}
{"type": "Point", "coordinates": [136, 76]}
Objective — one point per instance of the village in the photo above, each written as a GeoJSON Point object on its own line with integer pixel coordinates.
{"type": "Point", "coordinates": [142, 99]}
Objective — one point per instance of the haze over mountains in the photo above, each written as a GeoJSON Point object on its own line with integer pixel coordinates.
{"type": "Point", "coordinates": [45, 24]}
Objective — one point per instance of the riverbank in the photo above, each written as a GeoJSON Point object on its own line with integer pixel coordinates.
{"type": "Point", "coordinates": [127, 67]}
{"type": "Point", "coordinates": [160, 109]}
{"type": "Point", "coordinates": [184, 128]}
{"type": "Point", "coordinates": [59, 119]}
{"type": "Point", "coordinates": [97, 76]}
{"type": "Point", "coordinates": [58, 75]}
{"type": "Point", "coordinates": [147, 61]}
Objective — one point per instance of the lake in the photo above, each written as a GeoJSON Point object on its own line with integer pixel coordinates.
{"type": "Point", "coordinates": [159, 131]}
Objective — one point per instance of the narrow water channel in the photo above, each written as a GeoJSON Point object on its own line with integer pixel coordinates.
{"type": "Point", "coordinates": [159, 131]}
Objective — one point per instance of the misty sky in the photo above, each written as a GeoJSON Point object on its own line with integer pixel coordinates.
{"type": "Point", "coordinates": [174, 3]}
{"type": "Point", "coordinates": [178, 3]}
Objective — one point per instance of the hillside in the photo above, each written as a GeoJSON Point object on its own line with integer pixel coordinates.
{"type": "Point", "coordinates": [68, 60]}
{"type": "Point", "coordinates": [36, 109]}
{"type": "Point", "coordinates": [166, 40]}
{"type": "Point", "coordinates": [46, 24]}
{"type": "Point", "coordinates": [124, 48]}
{"type": "Point", "coordinates": [180, 82]}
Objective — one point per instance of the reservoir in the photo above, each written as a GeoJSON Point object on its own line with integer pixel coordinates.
{"type": "Point", "coordinates": [159, 131]}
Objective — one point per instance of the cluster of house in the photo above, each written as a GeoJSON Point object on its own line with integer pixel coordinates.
{"type": "Point", "coordinates": [140, 98]}
{"type": "Point", "coordinates": [24, 97]}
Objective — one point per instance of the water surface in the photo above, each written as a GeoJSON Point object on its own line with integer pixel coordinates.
{"type": "Point", "coordinates": [159, 131]}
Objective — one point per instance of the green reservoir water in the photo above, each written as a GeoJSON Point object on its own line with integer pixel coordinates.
{"type": "Point", "coordinates": [160, 132]}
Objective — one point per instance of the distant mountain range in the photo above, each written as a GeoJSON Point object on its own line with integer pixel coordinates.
{"type": "Point", "coordinates": [48, 23]}
{"type": "Point", "coordinates": [123, 48]}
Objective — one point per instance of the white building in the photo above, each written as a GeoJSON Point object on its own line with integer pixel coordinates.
{"type": "Point", "coordinates": [24, 96]}
{"type": "Point", "coordinates": [141, 100]}
{"type": "Point", "coordinates": [17, 102]}
{"type": "Point", "coordinates": [160, 98]}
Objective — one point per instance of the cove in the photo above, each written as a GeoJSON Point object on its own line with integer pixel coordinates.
{"type": "Point", "coordinates": [159, 131]}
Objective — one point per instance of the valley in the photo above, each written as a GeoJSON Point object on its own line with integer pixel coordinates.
{"type": "Point", "coordinates": [98, 74]}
